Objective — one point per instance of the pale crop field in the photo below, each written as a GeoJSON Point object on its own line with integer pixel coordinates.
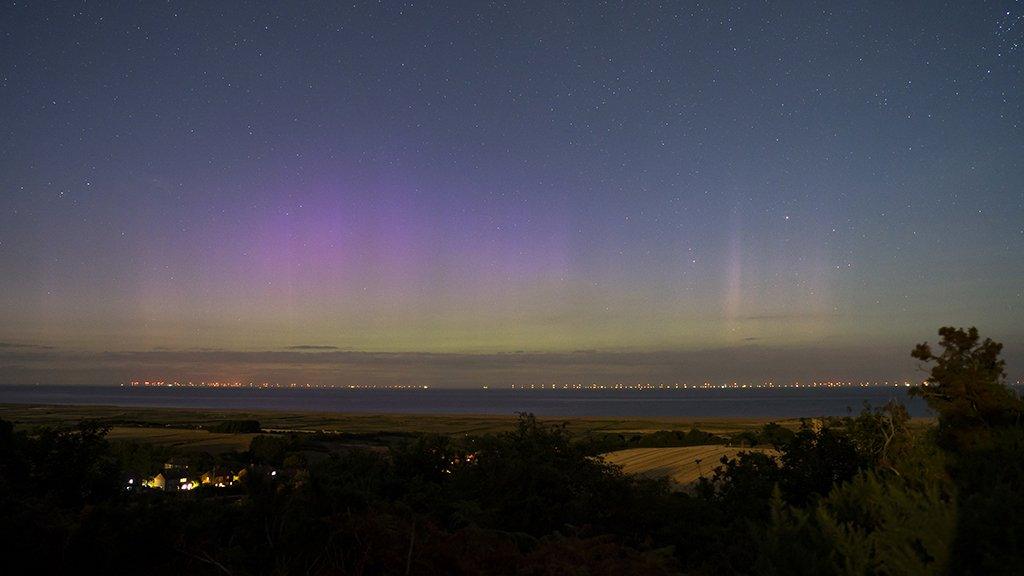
{"type": "Point", "coordinates": [680, 464]}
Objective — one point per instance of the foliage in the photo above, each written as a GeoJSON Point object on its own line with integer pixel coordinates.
{"type": "Point", "coordinates": [966, 385]}
{"type": "Point", "coordinates": [886, 521]}
{"type": "Point", "coordinates": [882, 435]}
{"type": "Point", "coordinates": [815, 460]}
{"type": "Point", "coordinates": [272, 449]}
{"type": "Point", "coordinates": [602, 443]}
{"type": "Point", "coordinates": [981, 429]}
{"type": "Point", "coordinates": [536, 480]}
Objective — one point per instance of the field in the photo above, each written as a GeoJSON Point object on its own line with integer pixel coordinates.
{"type": "Point", "coordinates": [679, 464]}
{"type": "Point", "coordinates": [183, 438]}
{"type": "Point", "coordinates": [183, 429]}
{"type": "Point", "coordinates": [31, 415]}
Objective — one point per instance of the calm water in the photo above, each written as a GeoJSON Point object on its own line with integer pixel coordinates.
{"type": "Point", "coordinates": [655, 403]}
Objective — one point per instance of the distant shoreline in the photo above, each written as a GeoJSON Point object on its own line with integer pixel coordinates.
{"type": "Point", "coordinates": [668, 405]}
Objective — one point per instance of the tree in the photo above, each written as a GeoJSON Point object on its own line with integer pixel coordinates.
{"type": "Point", "coordinates": [742, 486]}
{"type": "Point", "coordinates": [814, 461]}
{"type": "Point", "coordinates": [966, 386]}
{"type": "Point", "coordinates": [236, 427]}
{"type": "Point", "coordinates": [980, 428]}
{"type": "Point", "coordinates": [882, 435]}
{"type": "Point", "coordinates": [536, 480]}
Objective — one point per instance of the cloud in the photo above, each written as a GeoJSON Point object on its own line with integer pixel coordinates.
{"type": "Point", "coordinates": [787, 316]}
{"type": "Point", "coordinates": [25, 346]}
{"type": "Point", "coordinates": [311, 347]}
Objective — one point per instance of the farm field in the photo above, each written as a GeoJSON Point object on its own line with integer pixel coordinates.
{"type": "Point", "coordinates": [33, 415]}
{"type": "Point", "coordinates": [182, 438]}
{"type": "Point", "coordinates": [679, 464]}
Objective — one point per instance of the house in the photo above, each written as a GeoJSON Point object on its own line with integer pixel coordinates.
{"type": "Point", "coordinates": [219, 477]}
{"type": "Point", "coordinates": [159, 481]}
{"type": "Point", "coordinates": [172, 479]}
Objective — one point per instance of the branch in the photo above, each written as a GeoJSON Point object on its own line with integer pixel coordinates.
{"type": "Point", "coordinates": [209, 560]}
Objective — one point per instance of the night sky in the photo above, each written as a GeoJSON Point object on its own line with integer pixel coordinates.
{"type": "Point", "coordinates": [394, 193]}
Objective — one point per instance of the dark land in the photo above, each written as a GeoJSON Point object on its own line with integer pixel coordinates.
{"type": "Point", "coordinates": [166, 491]}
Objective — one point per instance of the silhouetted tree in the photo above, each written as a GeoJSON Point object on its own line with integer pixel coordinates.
{"type": "Point", "coordinates": [966, 385]}
{"type": "Point", "coordinates": [814, 461]}
{"type": "Point", "coordinates": [980, 427]}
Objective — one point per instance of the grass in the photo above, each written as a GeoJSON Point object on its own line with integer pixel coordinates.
{"type": "Point", "coordinates": [678, 464]}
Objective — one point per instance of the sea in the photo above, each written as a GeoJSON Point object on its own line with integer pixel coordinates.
{"type": "Point", "coordinates": [655, 403]}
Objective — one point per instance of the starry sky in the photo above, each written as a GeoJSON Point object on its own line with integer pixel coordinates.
{"type": "Point", "coordinates": [506, 192]}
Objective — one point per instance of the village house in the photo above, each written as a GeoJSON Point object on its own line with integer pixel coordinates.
{"type": "Point", "coordinates": [219, 477]}
{"type": "Point", "coordinates": [171, 479]}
